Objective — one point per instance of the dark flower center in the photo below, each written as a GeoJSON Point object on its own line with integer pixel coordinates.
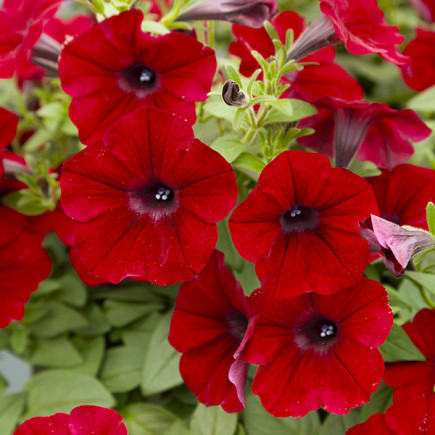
{"type": "Point", "coordinates": [298, 219]}
{"type": "Point", "coordinates": [155, 198]}
{"type": "Point", "coordinates": [139, 76]}
{"type": "Point", "coordinates": [238, 324]}
{"type": "Point", "coordinates": [318, 333]}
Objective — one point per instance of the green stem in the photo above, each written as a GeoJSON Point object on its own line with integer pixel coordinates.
{"type": "Point", "coordinates": [426, 298]}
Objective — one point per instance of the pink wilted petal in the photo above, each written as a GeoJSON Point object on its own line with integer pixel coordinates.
{"type": "Point", "coordinates": [298, 233]}
{"type": "Point", "coordinates": [251, 13]}
{"type": "Point", "coordinates": [212, 322]}
{"type": "Point", "coordinates": [54, 424]}
{"type": "Point", "coordinates": [115, 68]}
{"type": "Point", "coordinates": [374, 425]}
{"type": "Point", "coordinates": [149, 208]}
{"type": "Point", "coordinates": [86, 420]}
{"type": "Point", "coordinates": [318, 351]}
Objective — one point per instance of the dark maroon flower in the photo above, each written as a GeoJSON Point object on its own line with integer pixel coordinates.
{"type": "Point", "coordinates": [401, 201]}
{"type": "Point", "coordinates": [23, 265]}
{"type": "Point", "coordinates": [309, 83]}
{"type": "Point", "coordinates": [251, 13]}
{"type": "Point", "coordinates": [371, 131]}
{"type": "Point", "coordinates": [300, 226]}
{"type": "Point", "coordinates": [395, 244]}
{"type": "Point", "coordinates": [415, 376]}
{"type": "Point", "coordinates": [320, 351]}
{"type": "Point", "coordinates": [83, 420]}
{"type": "Point", "coordinates": [212, 322]}
{"type": "Point", "coordinates": [360, 24]}
{"type": "Point", "coordinates": [115, 68]}
{"type": "Point", "coordinates": [421, 74]}
{"type": "Point", "coordinates": [21, 24]}
{"type": "Point", "coordinates": [148, 209]}
{"type": "Point", "coordinates": [8, 130]}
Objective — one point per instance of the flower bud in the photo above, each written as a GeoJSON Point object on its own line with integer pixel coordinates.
{"type": "Point", "coordinates": [233, 95]}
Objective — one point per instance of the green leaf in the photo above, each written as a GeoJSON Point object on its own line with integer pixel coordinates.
{"type": "Point", "coordinates": [92, 353]}
{"type": "Point", "coordinates": [229, 147]}
{"type": "Point", "coordinates": [160, 371]}
{"type": "Point", "coordinates": [284, 105]}
{"type": "Point", "coordinates": [139, 334]}
{"type": "Point", "coordinates": [54, 391]}
{"type": "Point", "coordinates": [339, 424]}
{"type": "Point", "coordinates": [399, 347]}
{"type": "Point", "coordinates": [23, 203]}
{"type": "Point", "coordinates": [395, 298]}
{"type": "Point", "coordinates": [249, 161]}
{"type": "Point", "coordinates": [215, 106]}
{"type": "Point", "coordinates": [427, 280]}
{"type": "Point", "coordinates": [123, 313]}
{"type": "Point", "coordinates": [19, 341]}
{"type": "Point", "coordinates": [238, 118]}
{"type": "Point", "coordinates": [380, 400]}
{"type": "Point", "coordinates": [55, 353]}
{"type": "Point", "coordinates": [154, 27]}
{"type": "Point", "coordinates": [72, 290]}
{"type": "Point", "coordinates": [233, 75]}
{"type": "Point", "coordinates": [150, 419]}
{"type": "Point", "coordinates": [122, 368]}
{"type": "Point", "coordinates": [300, 109]}
{"type": "Point", "coordinates": [97, 322]}
{"type": "Point", "coordinates": [11, 407]}
{"type": "Point", "coordinates": [212, 420]}
{"type": "Point", "coordinates": [258, 421]}
{"type": "Point", "coordinates": [430, 213]}
{"type": "Point", "coordinates": [252, 81]}
{"type": "Point", "coordinates": [226, 245]}
{"type": "Point", "coordinates": [423, 101]}
{"type": "Point", "coordinates": [142, 293]}
{"type": "Point", "coordinates": [60, 318]}
{"type": "Point", "coordinates": [248, 278]}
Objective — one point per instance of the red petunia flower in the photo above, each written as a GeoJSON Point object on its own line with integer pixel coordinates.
{"type": "Point", "coordinates": [308, 83]}
{"type": "Point", "coordinates": [251, 13]}
{"type": "Point", "coordinates": [83, 420]}
{"type": "Point", "coordinates": [371, 131]}
{"type": "Point", "coordinates": [320, 351]}
{"type": "Point", "coordinates": [115, 68]}
{"type": "Point", "coordinates": [212, 322]}
{"type": "Point", "coordinates": [300, 226]}
{"type": "Point", "coordinates": [8, 130]}
{"type": "Point", "coordinates": [415, 376]}
{"type": "Point", "coordinates": [21, 24]}
{"type": "Point", "coordinates": [421, 74]}
{"type": "Point", "coordinates": [400, 201]}
{"type": "Point", "coordinates": [414, 415]}
{"type": "Point", "coordinates": [148, 209]}
{"type": "Point", "coordinates": [395, 244]}
{"type": "Point", "coordinates": [23, 265]}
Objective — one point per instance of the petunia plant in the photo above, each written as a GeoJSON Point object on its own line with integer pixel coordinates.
{"type": "Point", "coordinates": [217, 217]}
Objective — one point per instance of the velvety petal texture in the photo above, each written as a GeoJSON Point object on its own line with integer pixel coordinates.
{"type": "Point", "coordinates": [369, 131]}
{"type": "Point", "coordinates": [148, 207]}
{"type": "Point", "coordinates": [361, 25]}
{"type": "Point", "coordinates": [400, 201]}
{"type": "Point", "coordinates": [309, 83]}
{"type": "Point", "coordinates": [83, 420]}
{"type": "Point", "coordinates": [23, 265]}
{"type": "Point", "coordinates": [319, 351]}
{"type": "Point", "coordinates": [212, 322]}
{"type": "Point", "coordinates": [115, 68]}
{"type": "Point", "coordinates": [300, 226]}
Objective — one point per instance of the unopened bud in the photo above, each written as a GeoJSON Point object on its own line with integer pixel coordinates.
{"type": "Point", "coordinates": [233, 95]}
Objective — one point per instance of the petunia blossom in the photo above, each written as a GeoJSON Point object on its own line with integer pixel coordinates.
{"type": "Point", "coordinates": [83, 420]}
{"type": "Point", "coordinates": [211, 324]}
{"type": "Point", "coordinates": [369, 131]}
{"type": "Point", "coordinates": [251, 13]}
{"type": "Point", "coordinates": [421, 74]}
{"type": "Point", "coordinates": [21, 25]}
{"type": "Point", "coordinates": [426, 8]}
{"type": "Point", "coordinates": [400, 201]}
{"type": "Point", "coordinates": [396, 245]}
{"type": "Point", "coordinates": [115, 68]}
{"type": "Point", "coordinates": [23, 265]}
{"type": "Point", "coordinates": [8, 130]}
{"type": "Point", "coordinates": [374, 425]}
{"type": "Point", "coordinates": [300, 226]}
{"type": "Point", "coordinates": [415, 376]}
{"type": "Point", "coordinates": [309, 83]}
{"type": "Point", "coordinates": [148, 208]}
{"type": "Point", "coordinates": [320, 351]}
{"type": "Point", "coordinates": [360, 24]}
